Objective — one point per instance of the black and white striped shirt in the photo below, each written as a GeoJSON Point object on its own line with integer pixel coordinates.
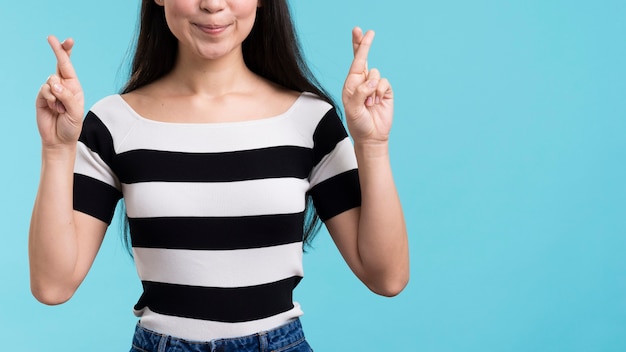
{"type": "Point", "coordinates": [216, 210]}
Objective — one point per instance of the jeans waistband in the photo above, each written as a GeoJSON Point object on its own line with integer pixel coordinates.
{"type": "Point", "coordinates": [279, 338]}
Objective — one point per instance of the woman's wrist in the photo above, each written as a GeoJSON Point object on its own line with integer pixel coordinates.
{"type": "Point", "coordinates": [59, 153]}
{"type": "Point", "coordinates": [372, 149]}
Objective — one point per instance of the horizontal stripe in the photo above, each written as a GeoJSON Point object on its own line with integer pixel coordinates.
{"type": "Point", "coordinates": [244, 198]}
{"type": "Point", "coordinates": [95, 198]}
{"type": "Point", "coordinates": [328, 133]}
{"type": "Point", "coordinates": [217, 233]}
{"type": "Point", "coordinates": [340, 160]}
{"type": "Point", "coordinates": [337, 194]}
{"type": "Point", "coordinates": [205, 330]}
{"type": "Point", "coordinates": [236, 268]}
{"type": "Point", "coordinates": [90, 164]}
{"type": "Point", "coordinates": [230, 305]}
{"type": "Point", "coordinates": [294, 127]}
{"type": "Point", "coordinates": [96, 137]}
{"type": "Point", "coordinates": [152, 165]}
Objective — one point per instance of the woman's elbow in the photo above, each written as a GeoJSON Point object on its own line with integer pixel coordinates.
{"type": "Point", "coordinates": [50, 295]}
{"type": "Point", "coordinates": [390, 287]}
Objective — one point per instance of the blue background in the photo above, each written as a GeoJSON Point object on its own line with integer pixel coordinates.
{"type": "Point", "coordinates": [509, 151]}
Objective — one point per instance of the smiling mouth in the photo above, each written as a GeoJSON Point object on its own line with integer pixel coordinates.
{"type": "Point", "coordinates": [212, 28]}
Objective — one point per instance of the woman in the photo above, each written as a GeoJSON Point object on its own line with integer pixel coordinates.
{"type": "Point", "coordinates": [218, 140]}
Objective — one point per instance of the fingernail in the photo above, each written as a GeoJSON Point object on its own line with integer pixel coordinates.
{"type": "Point", "coordinates": [377, 100]}
{"type": "Point", "coordinates": [60, 107]}
{"type": "Point", "coordinates": [373, 83]}
{"type": "Point", "coordinates": [369, 101]}
{"type": "Point", "coordinates": [57, 88]}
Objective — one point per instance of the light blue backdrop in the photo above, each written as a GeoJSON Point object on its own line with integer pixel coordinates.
{"type": "Point", "coordinates": [509, 150]}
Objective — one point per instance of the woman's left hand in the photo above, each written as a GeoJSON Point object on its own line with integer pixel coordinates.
{"type": "Point", "coordinates": [367, 98]}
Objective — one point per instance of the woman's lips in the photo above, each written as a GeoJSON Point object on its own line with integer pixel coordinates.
{"type": "Point", "coordinates": [212, 28]}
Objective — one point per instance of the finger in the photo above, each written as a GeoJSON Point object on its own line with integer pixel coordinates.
{"type": "Point", "coordinates": [373, 76]}
{"type": "Point", "coordinates": [64, 65]}
{"type": "Point", "coordinates": [59, 107]}
{"type": "Point", "coordinates": [383, 91]}
{"type": "Point", "coordinates": [363, 93]}
{"type": "Point", "coordinates": [51, 100]}
{"type": "Point", "coordinates": [60, 94]}
{"type": "Point", "coordinates": [67, 100]}
{"type": "Point", "coordinates": [359, 64]}
{"type": "Point", "coordinates": [357, 36]}
{"type": "Point", "coordinates": [46, 98]}
{"type": "Point", "coordinates": [67, 45]}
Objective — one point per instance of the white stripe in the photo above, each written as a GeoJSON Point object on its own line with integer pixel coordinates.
{"type": "Point", "coordinates": [204, 330]}
{"type": "Point", "coordinates": [223, 268]}
{"type": "Point", "coordinates": [210, 139]}
{"type": "Point", "coordinates": [340, 160]}
{"type": "Point", "coordinates": [295, 127]}
{"type": "Point", "coordinates": [90, 164]}
{"type": "Point", "coordinates": [255, 197]}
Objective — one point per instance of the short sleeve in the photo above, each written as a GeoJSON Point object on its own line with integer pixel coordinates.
{"type": "Point", "coordinates": [96, 188]}
{"type": "Point", "coordinates": [334, 180]}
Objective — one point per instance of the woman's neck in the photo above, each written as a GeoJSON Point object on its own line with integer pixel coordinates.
{"type": "Point", "coordinates": [196, 76]}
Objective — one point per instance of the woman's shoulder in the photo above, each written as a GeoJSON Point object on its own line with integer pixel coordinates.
{"type": "Point", "coordinates": [112, 112]}
{"type": "Point", "coordinates": [313, 99]}
{"type": "Point", "coordinates": [107, 105]}
{"type": "Point", "coordinates": [288, 97]}
{"type": "Point", "coordinates": [312, 106]}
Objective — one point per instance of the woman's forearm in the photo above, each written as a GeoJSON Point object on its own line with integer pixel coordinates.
{"type": "Point", "coordinates": [382, 235]}
{"type": "Point", "coordinates": [52, 238]}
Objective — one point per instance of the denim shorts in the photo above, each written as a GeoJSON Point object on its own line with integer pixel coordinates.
{"type": "Point", "coordinates": [285, 338]}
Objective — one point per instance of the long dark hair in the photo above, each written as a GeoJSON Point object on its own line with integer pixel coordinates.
{"type": "Point", "coordinates": [271, 50]}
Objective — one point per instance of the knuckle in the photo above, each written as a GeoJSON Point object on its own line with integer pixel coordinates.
{"type": "Point", "coordinates": [363, 89]}
{"type": "Point", "coordinates": [45, 92]}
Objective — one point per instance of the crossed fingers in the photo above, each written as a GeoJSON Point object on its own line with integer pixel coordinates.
{"type": "Point", "coordinates": [362, 81]}
{"type": "Point", "coordinates": [361, 45]}
{"type": "Point", "coordinates": [62, 52]}
{"type": "Point", "coordinates": [53, 91]}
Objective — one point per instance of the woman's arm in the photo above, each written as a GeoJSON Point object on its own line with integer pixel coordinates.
{"type": "Point", "coordinates": [62, 243]}
{"type": "Point", "coordinates": [372, 238]}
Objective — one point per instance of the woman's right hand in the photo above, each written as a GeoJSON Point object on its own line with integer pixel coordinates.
{"type": "Point", "coordinates": [60, 102]}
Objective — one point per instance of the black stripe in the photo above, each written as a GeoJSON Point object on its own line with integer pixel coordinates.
{"type": "Point", "coordinates": [151, 165]}
{"type": "Point", "coordinates": [217, 233]}
{"type": "Point", "coordinates": [337, 194]}
{"type": "Point", "coordinates": [97, 138]}
{"type": "Point", "coordinates": [231, 305]}
{"type": "Point", "coordinates": [95, 197]}
{"type": "Point", "coordinates": [328, 133]}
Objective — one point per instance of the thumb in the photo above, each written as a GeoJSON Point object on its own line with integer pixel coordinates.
{"type": "Point", "coordinates": [69, 103]}
{"type": "Point", "coordinates": [367, 89]}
